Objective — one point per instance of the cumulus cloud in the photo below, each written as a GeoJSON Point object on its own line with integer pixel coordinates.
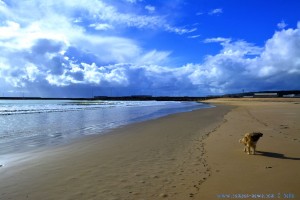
{"type": "Point", "coordinates": [53, 50]}
{"type": "Point", "coordinates": [281, 54]}
{"type": "Point", "coordinates": [68, 22]}
{"type": "Point", "coordinates": [244, 65]}
{"type": "Point", "coordinates": [239, 65]}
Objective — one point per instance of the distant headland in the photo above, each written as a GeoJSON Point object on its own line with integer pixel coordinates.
{"type": "Point", "coordinates": [261, 94]}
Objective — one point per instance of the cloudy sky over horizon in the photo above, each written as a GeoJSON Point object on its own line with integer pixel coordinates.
{"type": "Point", "coordinates": [81, 48]}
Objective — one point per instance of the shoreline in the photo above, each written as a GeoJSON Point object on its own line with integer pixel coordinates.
{"type": "Point", "coordinates": [14, 158]}
{"type": "Point", "coordinates": [27, 127]}
{"type": "Point", "coordinates": [159, 158]}
{"type": "Point", "coordinates": [192, 155]}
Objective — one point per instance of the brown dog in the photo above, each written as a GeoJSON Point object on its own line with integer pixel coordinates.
{"type": "Point", "coordinates": [250, 140]}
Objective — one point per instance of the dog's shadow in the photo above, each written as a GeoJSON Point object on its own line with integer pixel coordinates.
{"type": "Point", "coordinates": [275, 155]}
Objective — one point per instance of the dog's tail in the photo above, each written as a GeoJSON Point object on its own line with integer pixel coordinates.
{"type": "Point", "coordinates": [240, 141]}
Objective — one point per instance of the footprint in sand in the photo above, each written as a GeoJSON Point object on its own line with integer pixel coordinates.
{"type": "Point", "coordinates": [163, 195]}
{"type": "Point", "coordinates": [154, 176]}
{"type": "Point", "coordinates": [282, 126]}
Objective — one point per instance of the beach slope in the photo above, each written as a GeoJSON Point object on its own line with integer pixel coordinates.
{"type": "Point", "coordinates": [161, 158]}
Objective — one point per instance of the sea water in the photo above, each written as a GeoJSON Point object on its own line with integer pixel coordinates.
{"type": "Point", "coordinates": [29, 124]}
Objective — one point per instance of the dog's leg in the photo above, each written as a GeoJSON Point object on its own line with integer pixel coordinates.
{"type": "Point", "coordinates": [254, 148]}
{"type": "Point", "coordinates": [248, 148]}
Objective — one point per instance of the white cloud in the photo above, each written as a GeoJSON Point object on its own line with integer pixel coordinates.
{"type": "Point", "coordinates": [194, 36]}
{"type": "Point", "coordinates": [216, 11]}
{"type": "Point", "coordinates": [244, 65]}
{"type": "Point", "coordinates": [108, 14]}
{"type": "Point", "coordinates": [217, 40]}
{"type": "Point", "coordinates": [55, 21]}
{"type": "Point", "coordinates": [239, 48]}
{"type": "Point", "coordinates": [179, 31]}
{"type": "Point", "coordinates": [153, 57]}
{"type": "Point", "coordinates": [281, 54]}
{"type": "Point", "coordinates": [101, 27]}
{"type": "Point", "coordinates": [133, 1]}
{"type": "Point", "coordinates": [62, 17]}
{"type": "Point", "coordinates": [91, 73]}
{"type": "Point", "coordinates": [109, 49]}
{"type": "Point", "coordinates": [32, 72]}
{"type": "Point", "coordinates": [237, 66]}
{"type": "Point", "coordinates": [9, 30]}
{"type": "Point", "coordinates": [150, 9]}
{"type": "Point", "coordinates": [282, 25]}
{"type": "Point", "coordinates": [47, 48]}
{"type": "Point", "coordinates": [59, 81]}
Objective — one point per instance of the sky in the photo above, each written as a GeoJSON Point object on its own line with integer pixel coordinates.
{"type": "Point", "coordinates": [86, 48]}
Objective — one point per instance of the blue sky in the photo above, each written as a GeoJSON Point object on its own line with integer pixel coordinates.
{"type": "Point", "coordinates": [81, 48]}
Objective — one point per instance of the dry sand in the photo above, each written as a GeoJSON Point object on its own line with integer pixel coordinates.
{"type": "Point", "coordinates": [274, 171]}
{"type": "Point", "coordinates": [171, 158]}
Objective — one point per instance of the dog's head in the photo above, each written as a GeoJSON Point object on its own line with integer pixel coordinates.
{"type": "Point", "coordinates": [255, 136]}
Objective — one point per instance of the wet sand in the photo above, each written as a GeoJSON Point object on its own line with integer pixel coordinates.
{"type": "Point", "coordinates": [163, 158]}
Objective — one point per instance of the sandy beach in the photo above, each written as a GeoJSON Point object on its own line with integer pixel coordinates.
{"type": "Point", "coordinates": [273, 172]}
{"type": "Point", "coordinates": [161, 158]}
{"type": "Point", "coordinates": [193, 155]}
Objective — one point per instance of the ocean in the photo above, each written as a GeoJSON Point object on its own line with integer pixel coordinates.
{"type": "Point", "coordinates": [26, 125]}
